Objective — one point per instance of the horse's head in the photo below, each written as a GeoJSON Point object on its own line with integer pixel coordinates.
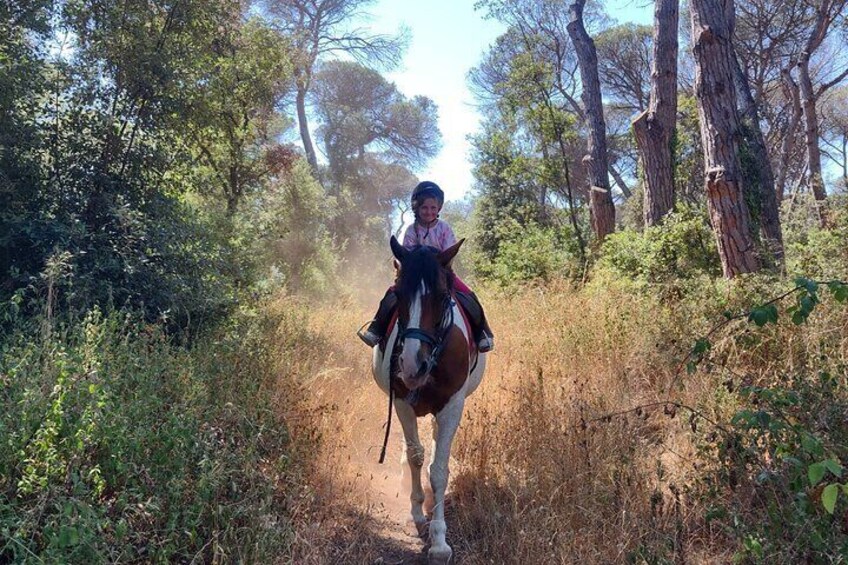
{"type": "Point", "coordinates": [423, 288]}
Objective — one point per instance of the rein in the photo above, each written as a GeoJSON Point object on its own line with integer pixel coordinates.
{"type": "Point", "coordinates": [437, 344]}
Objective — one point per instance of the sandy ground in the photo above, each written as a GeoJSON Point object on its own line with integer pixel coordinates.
{"type": "Point", "coordinates": [353, 424]}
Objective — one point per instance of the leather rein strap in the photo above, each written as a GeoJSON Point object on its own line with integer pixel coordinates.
{"type": "Point", "coordinates": [437, 344]}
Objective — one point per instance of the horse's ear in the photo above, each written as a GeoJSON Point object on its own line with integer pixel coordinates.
{"type": "Point", "coordinates": [445, 257]}
{"type": "Point", "coordinates": [398, 250]}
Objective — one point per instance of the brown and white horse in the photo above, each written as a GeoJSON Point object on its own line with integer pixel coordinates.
{"type": "Point", "coordinates": [430, 367]}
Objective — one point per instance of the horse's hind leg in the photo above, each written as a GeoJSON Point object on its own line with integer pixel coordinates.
{"type": "Point", "coordinates": [447, 422]}
{"type": "Point", "coordinates": [414, 455]}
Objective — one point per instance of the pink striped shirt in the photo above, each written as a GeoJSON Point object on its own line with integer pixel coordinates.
{"type": "Point", "coordinates": [439, 236]}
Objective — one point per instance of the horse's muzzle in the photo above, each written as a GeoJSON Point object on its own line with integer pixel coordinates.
{"type": "Point", "coordinates": [417, 378]}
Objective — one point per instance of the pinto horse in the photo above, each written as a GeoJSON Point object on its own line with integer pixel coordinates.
{"type": "Point", "coordinates": [430, 365]}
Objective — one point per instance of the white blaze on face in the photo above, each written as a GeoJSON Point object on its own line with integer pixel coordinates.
{"type": "Point", "coordinates": [411, 346]}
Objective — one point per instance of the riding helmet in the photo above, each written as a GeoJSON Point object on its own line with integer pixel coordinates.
{"type": "Point", "coordinates": [427, 189]}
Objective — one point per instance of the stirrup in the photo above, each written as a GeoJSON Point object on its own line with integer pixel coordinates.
{"type": "Point", "coordinates": [485, 344]}
{"type": "Point", "coordinates": [369, 337]}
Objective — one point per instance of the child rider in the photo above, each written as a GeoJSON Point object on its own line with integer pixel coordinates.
{"type": "Point", "coordinates": [428, 229]}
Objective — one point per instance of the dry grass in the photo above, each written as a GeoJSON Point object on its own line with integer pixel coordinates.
{"type": "Point", "coordinates": [356, 508]}
{"type": "Point", "coordinates": [539, 474]}
{"type": "Point", "coordinates": [541, 479]}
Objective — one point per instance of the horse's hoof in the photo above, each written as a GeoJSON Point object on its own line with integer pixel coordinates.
{"type": "Point", "coordinates": [439, 555]}
{"type": "Point", "coordinates": [423, 528]}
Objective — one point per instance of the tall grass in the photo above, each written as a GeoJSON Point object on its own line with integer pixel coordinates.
{"type": "Point", "coordinates": [557, 462]}
{"type": "Point", "coordinates": [580, 445]}
{"type": "Point", "coordinates": [118, 446]}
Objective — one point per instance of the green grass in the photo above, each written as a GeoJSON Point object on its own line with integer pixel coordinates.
{"type": "Point", "coordinates": [117, 446]}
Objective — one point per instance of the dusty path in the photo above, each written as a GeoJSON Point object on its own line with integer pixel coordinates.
{"type": "Point", "coordinates": [353, 417]}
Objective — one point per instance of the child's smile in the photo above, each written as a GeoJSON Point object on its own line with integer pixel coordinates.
{"type": "Point", "coordinates": [428, 211]}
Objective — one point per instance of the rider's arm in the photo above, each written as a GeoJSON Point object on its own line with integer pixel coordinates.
{"type": "Point", "coordinates": [409, 238]}
{"type": "Point", "coordinates": [448, 238]}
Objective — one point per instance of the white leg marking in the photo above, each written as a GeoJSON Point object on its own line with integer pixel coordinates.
{"type": "Point", "coordinates": [414, 452]}
{"type": "Point", "coordinates": [447, 422]}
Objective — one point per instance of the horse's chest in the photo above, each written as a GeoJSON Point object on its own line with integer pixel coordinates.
{"type": "Point", "coordinates": [435, 394]}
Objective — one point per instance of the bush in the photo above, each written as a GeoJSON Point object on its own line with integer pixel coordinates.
{"type": "Point", "coordinates": [287, 226]}
{"type": "Point", "coordinates": [812, 250]}
{"type": "Point", "coordinates": [118, 446]}
{"type": "Point", "coordinates": [775, 466]}
{"type": "Point", "coordinates": [531, 253]}
{"type": "Point", "coordinates": [681, 247]}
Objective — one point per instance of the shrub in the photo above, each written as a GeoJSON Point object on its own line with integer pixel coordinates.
{"type": "Point", "coordinates": [813, 250]}
{"type": "Point", "coordinates": [119, 446]}
{"type": "Point", "coordinates": [288, 228]}
{"type": "Point", "coordinates": [681, 247]}
{"type": "Point", "coordinates": [531, 253]}
{"type": "Point", "coordinates": [775, 464]}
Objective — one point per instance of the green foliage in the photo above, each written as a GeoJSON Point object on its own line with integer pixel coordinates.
{"type": "Point", "coordinates": [785, 443]}
{"type": "Point", "coordinates": [811, 249]}
{"type": "Point", "coordinates": [630, 214]}
{"type": "Point", "coordinates": [460, 215]}
{"type": "Point", "coordinates": [361, 110]}
{"type": "Point", "coordinates": [141, 153]}
{"type": "Point", "coordinates": [287, 227]}
{"type": "Point", "coordinates": [624, 64]}
{"type": "Point", "coordinates": [682, 247]}
{"type": "Point", "coordinates": [373, 137]}
{"type": "Point", "coordinates": [531, 253]}
{"type": "Point", "coordinates": [103, 145]}
{"type": "Point", "coordinates": [117, 446]}
{"type": "Point", "coordinates": [779, 471]}
{"type": "Point", "coordinates": [527, 157]}
{"type": "Point", "coordinates": [509, 191]}
{"type": "Point", "coordinates": [230, 120]}
{"type": "Point", "coordinates": [688, 153]}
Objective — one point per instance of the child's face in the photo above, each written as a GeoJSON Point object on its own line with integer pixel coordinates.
{"type": "Point", "coordinates": [429, 210]}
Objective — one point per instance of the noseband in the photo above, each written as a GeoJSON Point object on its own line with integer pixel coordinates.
{"type": "Point", "coordinates": [436, 342]}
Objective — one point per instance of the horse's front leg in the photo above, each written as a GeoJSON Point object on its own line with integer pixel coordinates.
{"type": "Point", "coordinates": [413, 453]}
{"type": "Point", "coordinates": [447, 422]}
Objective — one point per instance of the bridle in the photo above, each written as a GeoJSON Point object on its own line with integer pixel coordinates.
{"type": "Point", "coordinates": [437, 343]}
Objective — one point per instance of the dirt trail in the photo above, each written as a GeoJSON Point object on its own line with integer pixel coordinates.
{"type": "Point", "coordinates": [353, 418]}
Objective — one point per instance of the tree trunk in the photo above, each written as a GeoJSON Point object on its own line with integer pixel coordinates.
{"type": "Point", "coordinates": [600, 196]}
{"type": "Point", "coordinates": [787, 146]}
{"type": "Point", "coordinates": [811, 127]}
{"type": "Point", "coordinates": [654, 128]}
{"type": "Point", "coordinates": [759, 176]}
{"type": "Point", "coordinates": [564, 175]}
{"type": "Point", "coordinates": [712, 32]}
{"type": "Point", "coordinates": [303, 124]}
{"type": "Point", "coordinates": [826, 12]}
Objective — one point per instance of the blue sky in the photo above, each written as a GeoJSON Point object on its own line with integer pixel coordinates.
{"type": "Point", "coordinates": [448, 39]}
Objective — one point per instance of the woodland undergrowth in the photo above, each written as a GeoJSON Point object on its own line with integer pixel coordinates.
{"type": "Point", "coordinates": [119, 445]}
{"type": "Point", "coordinates": [610, 429]}
{"type": "Point", "coordinates": [621, 425]}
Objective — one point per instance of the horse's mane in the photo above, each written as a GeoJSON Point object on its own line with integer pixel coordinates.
{"type": "Point", "coordinates": [421, 265]}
